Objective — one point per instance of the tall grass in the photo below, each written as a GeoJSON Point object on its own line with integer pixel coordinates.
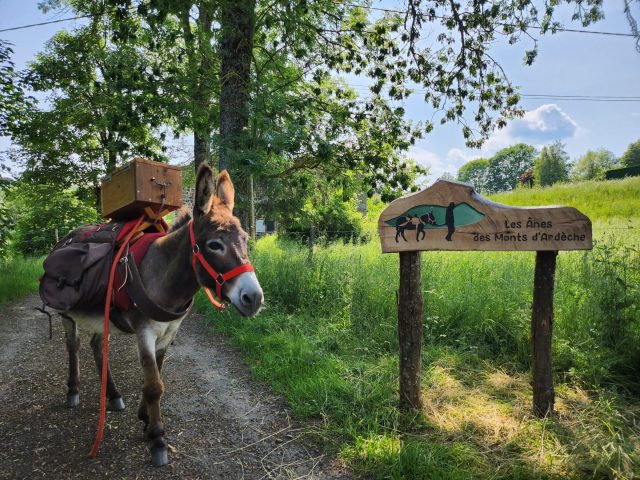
{"type": "Point", "coordinates": [18, 277]}
{"type": "Point", "coordinates": [476, 300]}
{"type": "Point", "coordinates": [600, 201]}
{"type": "Point", "coordinates": [327, 339]}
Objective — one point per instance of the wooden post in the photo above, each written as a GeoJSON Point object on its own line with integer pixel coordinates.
{"type": "Point", "coordinates": [541, 332]}
{"type": "Point", "coordinates": [410, 330]}
{"type": "Point", "coordinates": [452, 216]}
{"type": "Point", "coordinates": [57, 237]}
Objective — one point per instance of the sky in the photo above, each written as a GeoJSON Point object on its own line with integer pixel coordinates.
{"type": "Point", "coordinates": [567, 64]}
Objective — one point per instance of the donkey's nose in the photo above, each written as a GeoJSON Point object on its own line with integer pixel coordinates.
{"type": "Point", "coordinates": [251, 298]}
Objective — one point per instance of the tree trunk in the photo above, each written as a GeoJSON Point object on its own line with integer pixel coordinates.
{"type": "Point", "coordinates": [203, 83]}
{"type": "Point", "coordinates": [252, 209]}
{"type": "Point", "coordinates": [541, 333]}
{"type": "Point", "coordinates": [112, 161]}
{"type": "Point", "coordinates": [238, 18]}
{"type": "Point", "coordinates": [201, 149]}
{"type": "Point", "coordinates": [410, 330]}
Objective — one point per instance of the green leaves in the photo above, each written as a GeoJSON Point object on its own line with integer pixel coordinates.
{"type": "Point", "coordinates": [631, 156]}
{"type": "Point", "coordinates": [552, 165]}
{"type": "Point", "coordinates": [102, 107]}
{"type": "Point", "coordinates": [13, 100]}
{"type": "Point", "coordinates": [501, 172]}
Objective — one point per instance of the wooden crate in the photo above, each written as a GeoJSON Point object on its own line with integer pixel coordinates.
{"type": "Point", "coordinates": [137, 185]}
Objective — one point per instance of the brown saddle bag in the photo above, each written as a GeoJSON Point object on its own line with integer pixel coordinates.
{"type": "Point", "coordinates": [76, 272]}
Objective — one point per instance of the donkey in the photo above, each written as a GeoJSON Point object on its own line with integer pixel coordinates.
{"type": "Point", "coordinates": [171, 281]}
{"type": "Point", "coordinates": [410, 222]}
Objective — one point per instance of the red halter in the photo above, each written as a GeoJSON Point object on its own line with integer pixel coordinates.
{"type": "Point", "coordinates": [220, 278]}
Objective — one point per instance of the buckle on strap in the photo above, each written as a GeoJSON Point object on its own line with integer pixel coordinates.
{"type": "Point", "coordinates": [195, 249]}
{"type": "Point", "coordinates": [220, 279]}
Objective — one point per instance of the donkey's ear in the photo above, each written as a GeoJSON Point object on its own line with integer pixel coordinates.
{"type": "Point", "coordinates": [204, 190]}
{"type": "Point", "coordinates": [224, 189]}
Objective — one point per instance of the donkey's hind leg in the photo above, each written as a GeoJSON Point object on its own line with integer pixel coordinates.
{"type": "Point", "coordinates": [115, 402]}
{"type": "Point", "coordinates": [73, 346]}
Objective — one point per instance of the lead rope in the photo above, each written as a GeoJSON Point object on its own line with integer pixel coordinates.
{"type": "Point", "coordinates": [105, 341]}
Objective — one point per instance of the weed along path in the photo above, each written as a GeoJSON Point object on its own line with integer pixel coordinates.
{"type": "Point", "coordinates": [220, 424]}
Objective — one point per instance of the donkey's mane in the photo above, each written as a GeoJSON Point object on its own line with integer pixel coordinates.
{"type": "Point", "coordinates": [182, 218]}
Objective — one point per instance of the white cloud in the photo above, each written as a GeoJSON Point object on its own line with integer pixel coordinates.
{"type": "Point", "coordinates": [457, 157]}
{"type": "Point", "coordinates": [437, 165]}
{"type": "Point", "coordinates": [541, 126]}
{"type": "Point", "coordinates": [428, 159]}
{"type": "Point", "coordinates": [537, 127]}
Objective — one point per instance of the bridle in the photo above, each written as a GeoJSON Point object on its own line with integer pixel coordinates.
{"type": "Point", "coordinates": [219, 278]}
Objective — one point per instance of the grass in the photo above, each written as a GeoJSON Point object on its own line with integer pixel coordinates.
{"type": "Point", "coordinates": [600, 201]}
{"type": "Point", "coordinates": [327, 341]}
{"type": "Point", "coordinates": [19, 277]}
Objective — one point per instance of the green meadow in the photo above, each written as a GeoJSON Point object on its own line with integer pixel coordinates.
{"type": "Point", "coordinates": [327, 340]}
{"type": "Point", "coordinates": [600, 201]}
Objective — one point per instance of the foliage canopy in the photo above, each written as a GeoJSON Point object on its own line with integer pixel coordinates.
{"type": "Point", "coordinates": [552, 165]}
{"type": "Point", "coordinates": [631, 156]}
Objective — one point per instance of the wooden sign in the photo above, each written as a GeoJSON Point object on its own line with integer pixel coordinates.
{"type": "Point", "coordinates": [452, 216]}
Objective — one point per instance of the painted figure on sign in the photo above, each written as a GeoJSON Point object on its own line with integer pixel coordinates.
{"type": "Point", "coordinates": [449, 220]}
{"type": "Point", "coordinates": [414, 222]}
{"type": "Point", "coordinates": [423, 217]}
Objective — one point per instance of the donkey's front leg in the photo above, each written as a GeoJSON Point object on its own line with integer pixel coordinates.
{"type": "Point", "coordinates": [115, 398]}
{"type": "Point", "coordinates": [73, 346]}
{"type": "Point", "coordinates": [151, 393]}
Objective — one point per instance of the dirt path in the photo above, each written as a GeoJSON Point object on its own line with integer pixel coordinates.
{"type": "Point", "coordinates": [219, 423]}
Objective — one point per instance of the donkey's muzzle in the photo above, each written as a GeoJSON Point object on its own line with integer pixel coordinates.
{"type": "Point", "coordinates": [251, 299]}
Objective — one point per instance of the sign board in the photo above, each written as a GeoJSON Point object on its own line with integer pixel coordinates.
{"type": "Point", "coordinates": [452, 216]}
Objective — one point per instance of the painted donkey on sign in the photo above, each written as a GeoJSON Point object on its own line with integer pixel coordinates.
{"type": "Point", "coordinates": [172, 277]}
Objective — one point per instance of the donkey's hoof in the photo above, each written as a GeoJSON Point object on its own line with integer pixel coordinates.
{"type": "Point", "coordinates": [159, 456]}
{"type": "Point", "coordinates": [116, 404]}
{"type": "Point", "coordinates": [73, 400]}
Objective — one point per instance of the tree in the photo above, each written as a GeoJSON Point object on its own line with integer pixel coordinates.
{"type": "Point", "coordinates": [506, 166]}
{"type": "Point", "coordinates": [457, 73]}
{"type": "Point", "coordinates": [39, 210]}
{"type": "Point", "coordinates": [309, 42]}
{"type": "Point", "coordinates": [102, 108]}
{"type": "Point", "coordinates": [593, 165]}
{"type": "Point", "coordinates": [633, 23]}
{"type": "Point", "coordinates": [631, 156]}
{"type": "Point", "coordinates": [184, 36]}
{"type": "Point", "coordinates": [552, 165]}
{"type": "Point", "coordinates": [13, 101]}
{"type": "Point", "coordinates": [475, 172]}
{"type": "Point", "coordinates": [237, 21]}
{"type": "Point", "coordinates": [6, 227]}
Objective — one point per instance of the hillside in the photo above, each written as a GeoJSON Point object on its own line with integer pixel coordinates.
{"type": "Point", "coordinates": [601, 201]}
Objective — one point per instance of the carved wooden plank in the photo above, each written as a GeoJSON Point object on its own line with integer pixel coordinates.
{"type": "Point", "coordinates": [452, 216]}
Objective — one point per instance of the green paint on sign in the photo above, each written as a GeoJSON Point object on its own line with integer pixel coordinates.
{"type": "Point", "coordinates": [463, 214]}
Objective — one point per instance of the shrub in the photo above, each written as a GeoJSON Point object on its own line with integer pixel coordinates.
{"type": "Point", "coordinates": [41, 209]}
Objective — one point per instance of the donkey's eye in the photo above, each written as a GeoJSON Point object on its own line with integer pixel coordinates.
{"type": "Point", "coordinates": [215, 245]}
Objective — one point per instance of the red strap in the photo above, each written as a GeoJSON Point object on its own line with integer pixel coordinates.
{"type": "Point", "coordinates": [220, 279]}
{"type": "Point", "coordinates": [105, 342]}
